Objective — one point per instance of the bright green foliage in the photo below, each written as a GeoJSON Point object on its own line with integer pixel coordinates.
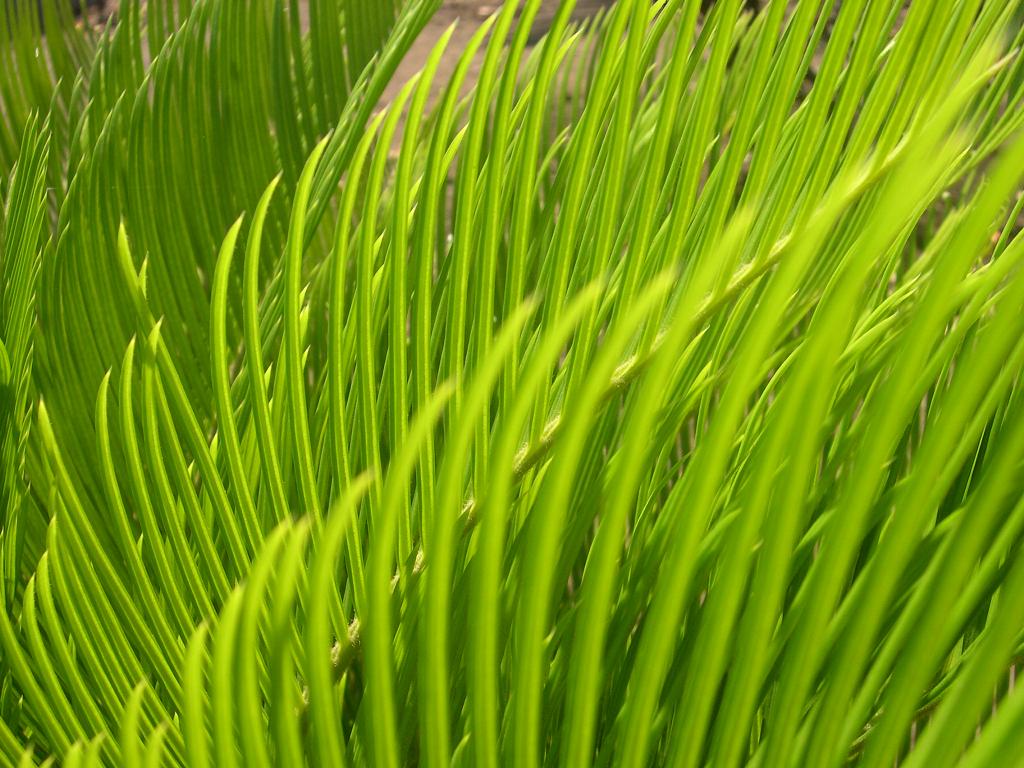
{"type": "Point", "coordinates": [657, 402]}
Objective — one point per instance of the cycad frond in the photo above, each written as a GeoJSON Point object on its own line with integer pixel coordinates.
{"type": "Point", "coordinates": [646, 395]}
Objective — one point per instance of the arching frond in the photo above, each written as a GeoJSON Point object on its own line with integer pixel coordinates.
{"type": "Point", "coordinates": [642, 392]}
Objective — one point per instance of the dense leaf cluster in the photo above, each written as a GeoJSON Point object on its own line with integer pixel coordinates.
{"type": "Point", "coordinates": [645, 393]}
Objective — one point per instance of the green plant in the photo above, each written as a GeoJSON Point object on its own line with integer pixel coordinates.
{"type": "Point", "coordinates": [652, 397]}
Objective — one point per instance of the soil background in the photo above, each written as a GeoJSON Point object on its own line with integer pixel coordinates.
{"type": "Point", "coordinates": [468, 15]}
